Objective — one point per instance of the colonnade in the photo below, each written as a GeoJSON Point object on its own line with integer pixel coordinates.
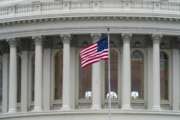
{"type": "Point", "coordinates": [42, 89]}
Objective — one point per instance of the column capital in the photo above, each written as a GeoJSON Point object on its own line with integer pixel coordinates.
{"type": "Point", "coordinates": [95, 37]}
{"type": "Point", "coordinates": [37, 39]}
{"type": "Point", "coordinates": [12, 41]}
{"type": "Point", "coordinates": [126, 36]}
{"type": "Point", "coordinates": [65, 37]}
{"type": "Point", "coordinates": [156, 37]}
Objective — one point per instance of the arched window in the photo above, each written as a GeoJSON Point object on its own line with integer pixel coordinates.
{"type": "Point", "coordinates": [113, 73]}
{"type": "Point", "coordinates": [85, 82]}
{"type": "Point", "coordinates": [58, 67]}
{"type": "Point", "coordinates": [164, 75]}
{"type": "Point", "coordinates": [137, 75]}
{"type": "Point", "coordinates": [18, 78]}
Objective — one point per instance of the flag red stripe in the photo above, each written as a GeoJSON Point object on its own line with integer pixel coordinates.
{"type": "Point", "coordinates": [89, 51]}
{"type": "Point", "coordinates": [90, 54]}
{"type": "Point", "coordinates": [88, 48]}
{"type": "Point", "coordinates": [95, 55]}
{"type": "Point", "coordinates": [90, 62]}
{"type": "Point", "coordinates": [98, 55]}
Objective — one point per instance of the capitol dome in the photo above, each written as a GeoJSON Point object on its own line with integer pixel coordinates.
{"type": "Point", "coordinates": [40, 67]}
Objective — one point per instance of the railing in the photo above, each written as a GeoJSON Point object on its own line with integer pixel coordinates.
{"type": "Point", "coordinates": [42, 8]}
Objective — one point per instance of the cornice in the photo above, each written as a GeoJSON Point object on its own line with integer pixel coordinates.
{"type": "Point", "coordinates": [90, 18]}
{"type": "Point", "coordinates": [43, 11]}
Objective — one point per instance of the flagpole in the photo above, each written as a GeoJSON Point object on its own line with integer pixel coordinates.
{"type": "Point", "coordinates": [109, 77]}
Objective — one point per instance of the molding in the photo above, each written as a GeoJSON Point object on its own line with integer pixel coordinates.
{"type": "Point", "coordinates": [84, 25]}
{"type": "Point", "coordinates": [88, 30]}
{"type": "Point", "coordinates": [86, 112]}
{"type": "Point", "coordinates": [93, 17]}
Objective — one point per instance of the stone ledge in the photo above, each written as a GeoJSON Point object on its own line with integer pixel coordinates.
{"type": "Point", "coordinates": [91, 112]}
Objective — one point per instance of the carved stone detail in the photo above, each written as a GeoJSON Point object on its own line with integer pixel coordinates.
{"type": "Point", "coordinates": [126, 36]}
{"type": "Point", "coordinates": [66, 37]}
{"type": "Point", "coordinates": [12, 41]}
{"type": "Point", "coordinates": [156, 37]}
{"type": "Point", "coordinates": [37, 39]}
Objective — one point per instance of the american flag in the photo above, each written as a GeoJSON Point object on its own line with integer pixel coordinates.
{"type": "Point", "coordinates": [95, 52]}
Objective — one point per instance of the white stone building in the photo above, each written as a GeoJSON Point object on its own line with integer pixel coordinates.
{"type": "Point", "coordinates": [40, 73]}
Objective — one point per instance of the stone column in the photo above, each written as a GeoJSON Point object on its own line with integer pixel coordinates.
{"type": "Point", "coordinates": [77, 67]}
{"type": "Point", "coordinates": [24, 81]}
{"type": "Point", "coordinates": [47, 79]}
{"type": "Point", "coordinates": [156, 73]}
{"type": "Point", "coordinates": [13, 77]}
{"type": "Point", "coordinates": [126, 72]}
{"type": "Point", "coordinates": [38, 74]}
{"type": "Point", "coordinates": [74, 68]}
{"type": "Point", "coordinates": [5, 79]}
{"type": "Point", "coordinates": [67, 90]}
{"type": "Point", "coordinates": [176, 78]}
{"type": "Point", "coordinates": [96, 80]}
{"type": "Point", "coordinates": [149, 77]}
{"type": "Point", "coordinates": [119, 76]}
{"type": "Point", "coordinates": [30, 77]}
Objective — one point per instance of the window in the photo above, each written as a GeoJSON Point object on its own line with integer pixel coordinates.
{"type": "Point", "coordinates": [32, 75]}
{"type": "Point", "coordinates": [85, 74]}
{"type": "Point", "coordinates": [18, 79]}
{"type": "Point", "coordinates": [114, 74]}
{"type": "Point", "coordinates": [1, 79]}
{"type": "Point", "coordinates": [137, 75]}
{"type": "Point", "coordinates": [58, 66]}
{"type": "Point", "coordinates": [164, 75]}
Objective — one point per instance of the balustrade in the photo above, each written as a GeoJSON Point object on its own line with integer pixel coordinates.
{"type": "Point", "coordinates": [42, 7]}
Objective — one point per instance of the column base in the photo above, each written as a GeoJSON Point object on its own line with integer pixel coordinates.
{"type": "Point", "coordinates": [175, 108]}
{"type": "Point", "coordinates": [96, 107]}
{"type": "Point", "coordinates": [66, 107]}
{"type": "Point", "coordinates": [4, 110]}
{"type": "Point", "coordinates": [156, 108]}
{"type": "Point", "coordinates": [24, 108]}
{"type": "Point", "coordinates": [37, 109]}
{"type": "Point", "coordinates": [126, 107]}
{"type": "Point", "coordinates": [46, 109]}
{"type": "Point", "coordinates": [12, 110]}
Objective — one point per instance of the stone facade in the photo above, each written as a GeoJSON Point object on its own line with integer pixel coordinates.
{"type": "Point", "coordinates": [40, 42]}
